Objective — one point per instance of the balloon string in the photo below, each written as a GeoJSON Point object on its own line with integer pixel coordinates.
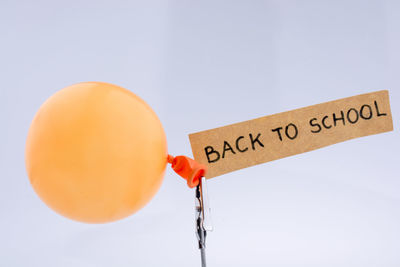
{"type": "Point", "coordinates": [188, 169]}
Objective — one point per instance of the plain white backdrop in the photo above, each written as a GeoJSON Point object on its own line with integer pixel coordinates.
{"type": "Point", "coordinates": [200, 65]}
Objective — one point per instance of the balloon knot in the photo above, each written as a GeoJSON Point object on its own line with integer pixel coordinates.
{"type": "Point", "coordinates": [188, 169]}
{"type": "Point", "coordinates": [170, 159]}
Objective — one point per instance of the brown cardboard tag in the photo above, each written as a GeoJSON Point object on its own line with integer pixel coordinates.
{"type": "Point", "coordinates": [252, 142]}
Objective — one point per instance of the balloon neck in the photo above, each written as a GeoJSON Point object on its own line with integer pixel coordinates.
{"type": "Point", "coordinates": [188, 169]}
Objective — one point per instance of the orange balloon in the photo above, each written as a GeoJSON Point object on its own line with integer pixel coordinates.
{"type": "Point", "coordinates": [96, 152]}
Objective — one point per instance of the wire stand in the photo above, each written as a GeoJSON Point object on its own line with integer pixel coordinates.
{"type": "Point", "coordinates": [203, 219]}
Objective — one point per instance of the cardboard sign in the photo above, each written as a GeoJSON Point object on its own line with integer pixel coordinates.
{"type": "Point", "coordinates": [252, 142]}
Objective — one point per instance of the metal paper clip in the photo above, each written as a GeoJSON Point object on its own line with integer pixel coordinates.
{"type": "Point", "coordinates": [203, 217]}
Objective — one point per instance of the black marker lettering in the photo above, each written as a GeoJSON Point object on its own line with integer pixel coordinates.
{"type": "Point", "coordinates": [227, 147]}
{"type": "Point", "coordinates": [237, 145]}
{"type": "Point", "coordinates": [210, 150]}
{"type": "Point", "coordinates": [348, 115]}
{"type": "Point", "coordinates": [362, 113]}
{"type": "Point", "coordinates": [377, 110]}
{"type": "Point", "coordinates": [315, 125]}
{"type": "Point", "coordinates": [338, 119]}
{"type": "Point", "coordinates": [279, 132]}
{"type": "Point", "coordinates": [323, 122]}
{"type": "Point", "coordinates": [255, 140]}
{"type": "Point", "coordinates": [295, 131]}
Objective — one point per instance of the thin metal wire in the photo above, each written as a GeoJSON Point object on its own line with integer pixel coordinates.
{"type": "Point", "coordinates": [200, 231]}
{"type": "Point", "coordinates": [203, 257]}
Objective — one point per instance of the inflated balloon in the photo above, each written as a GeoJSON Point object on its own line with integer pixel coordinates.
{"type": "Point", "coordinates": [96, 152]}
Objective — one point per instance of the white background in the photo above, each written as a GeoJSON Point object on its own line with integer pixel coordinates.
{"type": "Point", "coordinates": [200, 65]}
